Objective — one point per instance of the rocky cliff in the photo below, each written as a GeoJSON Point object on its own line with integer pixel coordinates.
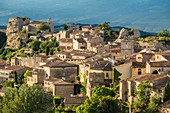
{"type": "Point", "coordinates": [14, 27]}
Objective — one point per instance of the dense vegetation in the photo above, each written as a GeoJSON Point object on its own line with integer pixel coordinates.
{"type": "Point", "coordinates": [27, 100]}
{"type": "Point", "coordinates": [103, 100]}
{"type": "Point", "coordinates": [48, 47]}
{"type": "Point", "coordinates": [109, 34]}
{"type": "Point", "coordinates": [145, 102]}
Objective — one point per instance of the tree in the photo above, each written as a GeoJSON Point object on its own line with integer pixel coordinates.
{"type": "Point", "coordinates": [15, 77]}
{"type": "Point", "coordinates": [103, 100]}
{"type": "Point", "coordinates": [166, 92]}
{"type": "Point", "coordinates": [116, 75]}
{"type": "Point", "coordinates": [109, 104]}
{"type": "Point", "coordinates": [35, 45]}
{"type": "Point", "coordinates": [27, 72]}
{"type": "Point", "coordinates": [105, 26]}
{"type": "Point", "coordinates": [144, 101]}
{"type": "Point", "coordinates": [47, 50]}
{"type": "Point", "coordinates": [163, 33]}
{"type": "Point", "coordinates": [27, 100]}
{"type": "Point", "coordinates": [43, 27]}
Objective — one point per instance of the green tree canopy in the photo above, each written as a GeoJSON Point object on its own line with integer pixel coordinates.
{"type": "Point", "coordinates": [145, 103]}
{"type": "Point", "coordinates": [43, 27]}
{"type": "Point", "coordinates": [164, 32]}
{"type": "Point", "coordinates": [105, 26]}
{"type": "Point", "coordinates": [103, 100]}
{"type": "Point", "coordinates": [166, 92]}
{"type": "Point", "coordinates": [35, 45]}
{"type": "Point", "coordinates": [27, 100]}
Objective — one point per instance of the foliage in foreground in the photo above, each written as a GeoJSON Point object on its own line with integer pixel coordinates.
{"type": "Point", "coordinates": [103, 100]}
{"type": "Point", "coordinates": [146, 103]}
{"type": "Point", "coordinates": [166, 92]}
{"type": "Point", "coordinates": [27, 100]}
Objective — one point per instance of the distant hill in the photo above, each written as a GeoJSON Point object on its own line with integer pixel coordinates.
{"type": "Point", "coordinates": [143, 33]}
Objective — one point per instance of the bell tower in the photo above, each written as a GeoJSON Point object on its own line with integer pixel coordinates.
{"type": "Point", "coordinates": [127, 46]}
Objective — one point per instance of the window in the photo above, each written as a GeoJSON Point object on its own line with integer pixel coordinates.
{"type": "Point", "coordinates": [139, 71]}
{"type": "Point", "coordinates": [107, 75]}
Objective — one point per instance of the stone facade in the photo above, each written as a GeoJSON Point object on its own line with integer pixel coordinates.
{"type": "Point", "coordinates": [127, 47]}
{"type": "Point", "coordinates": [129, 86]}
{"type": "Point", "coordinates": [61, 70]}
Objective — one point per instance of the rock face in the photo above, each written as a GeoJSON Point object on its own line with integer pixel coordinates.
{"type": "Point", "coordinates": [124, 32]}
{"type": "Point", "coordinates": [136, 33]}
{"type": "Point", "coordinates": [14, 27]}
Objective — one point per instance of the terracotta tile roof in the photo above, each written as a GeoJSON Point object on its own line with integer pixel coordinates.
{"type": "Point", "coordinates": [11, 68]}
{"type": "Point", "coordinates": [80, 40]}
{"type": "Point", "coordinates": [57, 81]}
{"type": "Point", "coordinates": [66, 40]}
{"type": "Point", "coordinates": [138, 64]}
{"type": "Point", "coordinates": [147, 56]}
{"type": "Point", "coordinates": [160, 64]}
{"type": "Point", "coordinates": [57, 63]}
{"type": "Point", "coordinates": [101, 65]}
{"type": "Point", "coordinates": [150, 77]}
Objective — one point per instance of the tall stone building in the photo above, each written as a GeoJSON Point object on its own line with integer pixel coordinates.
{"type": "Point", "coordinates": [127, 46]}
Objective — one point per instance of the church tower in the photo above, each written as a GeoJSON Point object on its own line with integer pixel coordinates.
{"type": "Point", "coordinates": [127, 46]}
{"type": "Point", "coordinates": [51, 24]}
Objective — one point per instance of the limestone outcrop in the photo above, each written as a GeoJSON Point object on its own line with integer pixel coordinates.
{"type": "Point", "coordinates": [124, 32]}
{"type": "Point", "coordinates": [15, 25]}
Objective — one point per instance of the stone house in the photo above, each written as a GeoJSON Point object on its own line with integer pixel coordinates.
{"type": "Point", "coordinates": [138, 68]}
{"type": "Point", "coordinates": [36, 77]}
{"type": "Point", "coordinates": [62, 34]}
{"type": "Point", "coordinates": [94, 79]}
{"type": "Point", "coordinates": [61, 70]}
{"type": "Point", "coordinates": [125, 70]}
{"type": "Point", "coordinates": [71, 102]}
{"type": "Point", "coordinates": [129, 87]}
{"type": "Point", "coordinates": [161, 56]}
{"type": "Point", "coordinates": [60, 87]}
{"type": "Point", "coordinates": [99, 66]}
{"type": "Point", "coordinates": [144, 57]}
{"type": "Point", "coordinates": [6, 73]}
{"type": "Point", "coordinates": [28, 61]}
{"type": "Point", "coordinates": [79, 44]}
{"type": "Point", "coordinates": [162, 67]}
{"type": "Point", "coordinates": [33, 26]}
{"type": "Point", "coordinates": [68, 91]}
{"type": "Point", "coordinates": [63, 55]}
{"type": "Point", "coordinates": [66, 43]}
{"type": "Point", "coordinates": [86, 28]}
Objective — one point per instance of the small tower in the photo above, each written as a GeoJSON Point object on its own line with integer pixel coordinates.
{"type": "Point", "coordinates": [127, 46]}
{"type": "Point", "coordinates": [51, 24]}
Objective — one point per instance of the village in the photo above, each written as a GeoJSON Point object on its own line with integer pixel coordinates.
{"type": "Point", "coordinates": [84, 57]}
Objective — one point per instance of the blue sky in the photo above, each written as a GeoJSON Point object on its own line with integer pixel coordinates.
{"type": "Point", "coordinates": [148, 15]}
